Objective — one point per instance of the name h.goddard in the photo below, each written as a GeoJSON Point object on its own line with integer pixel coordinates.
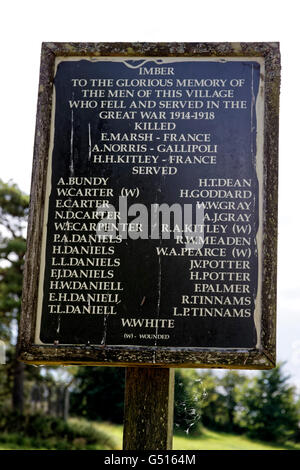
{"type": "Point", "coordinates": [231, 190]}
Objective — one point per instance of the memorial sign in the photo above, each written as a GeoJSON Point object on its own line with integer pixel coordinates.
{"type": "Point", "coordinates": [152, 235]}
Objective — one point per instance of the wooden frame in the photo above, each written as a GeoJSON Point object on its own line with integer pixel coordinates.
{"type": "Point", "coordinates": [261, 358]}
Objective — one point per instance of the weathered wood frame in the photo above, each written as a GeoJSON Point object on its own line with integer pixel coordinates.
{"type": "Point", "coordinates": [154, 356]}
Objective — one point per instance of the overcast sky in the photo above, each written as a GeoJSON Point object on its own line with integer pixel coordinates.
{"type": "Point", "coordinates": [26, 24]}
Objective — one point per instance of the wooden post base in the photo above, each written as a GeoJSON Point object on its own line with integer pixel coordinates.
{"type": "Point", "coordinates": [149, 405]}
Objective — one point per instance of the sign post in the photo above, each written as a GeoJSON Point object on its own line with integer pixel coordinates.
{"type": "Point", "coordinates": [153, 225]}
{"type": "Point", "coordinates": [149, 407]}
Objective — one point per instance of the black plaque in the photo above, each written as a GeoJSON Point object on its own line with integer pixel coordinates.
{"type": "Point", "coordinates": [155, 212]}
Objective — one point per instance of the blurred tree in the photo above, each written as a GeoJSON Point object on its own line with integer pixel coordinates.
{"type": "Point", "coordinates": [268, 407]}
{"type": "Point", "coordinates": [231, 384]}
{"type": "Point", "coordinates": [99, 393]}
{"type": "Point", "coordinates": [13, 217]}
{"type": "Point", "coordinates": [188, 396]}
{"type": "Point", "coordinates": [212, 404]}
{"type": "Point", "coordinates": [221, 400]}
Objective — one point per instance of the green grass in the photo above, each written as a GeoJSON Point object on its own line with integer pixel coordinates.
{"type": "Point", "coordinates": [208, 440]}
{"type": "Point", "coordinates": [17, 442]}
{"type": "Point", "coordinates": [42, 432]}
{"type": "Point", "coordinates": [211, 440]}
{"type": "Point", "coordinates": [115, 431]}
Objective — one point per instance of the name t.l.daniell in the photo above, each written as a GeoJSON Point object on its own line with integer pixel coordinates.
{"type": "Point", "coordinates": [154, 203]}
